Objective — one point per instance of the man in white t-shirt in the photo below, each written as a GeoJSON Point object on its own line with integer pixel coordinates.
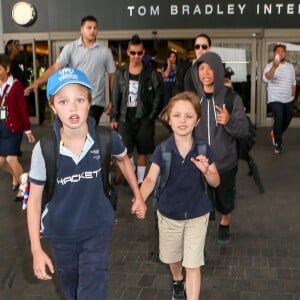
{"type": "Point", "coordinates": [281, 79]}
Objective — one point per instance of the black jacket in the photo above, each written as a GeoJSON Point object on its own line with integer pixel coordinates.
{"type": "Point", "coordinates": [184, 80]}
{"type": "Point", "coordinates": [149, 94]}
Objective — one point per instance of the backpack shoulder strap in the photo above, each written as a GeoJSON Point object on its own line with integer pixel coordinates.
{"type": "Point", "coordinates": [166, 165]}
{"type": "Point", "coordinates": [103, 136]}
{"type": "Point", "coordinates": [202, 149]}
{"type": "Point", "coordinates": [229, 99]}
{"type": "Point", "coordinates": [201, 146]}
{"type": "Point", "coordinates": [49, 150]}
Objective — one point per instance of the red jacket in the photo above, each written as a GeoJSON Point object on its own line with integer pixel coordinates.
{"type": "Point", "coordinates": [18, 117]}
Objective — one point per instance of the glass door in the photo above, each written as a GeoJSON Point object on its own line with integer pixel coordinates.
{"type": "Point", "coordinates": [239, 59]}
{"type": "Point", "coordinates": [33, 60]}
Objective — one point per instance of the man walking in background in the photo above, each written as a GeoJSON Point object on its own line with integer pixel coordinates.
{"type": "Point", "coordinates": [89, 56]}
{"type": "Point", "coordinates": [280, 77]}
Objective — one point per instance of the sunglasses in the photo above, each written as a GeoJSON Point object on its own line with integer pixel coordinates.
{"type": "Point", "coordinates": [198, 46]}
{"type": "Point", "coordinates": [139, 53]}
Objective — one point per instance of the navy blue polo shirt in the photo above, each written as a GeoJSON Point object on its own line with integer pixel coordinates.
{"type": "Point", "coordinates": [183, 196]}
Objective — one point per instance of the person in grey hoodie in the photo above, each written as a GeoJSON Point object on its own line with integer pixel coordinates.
{"type": "Point", "coordinates": [219, 129]}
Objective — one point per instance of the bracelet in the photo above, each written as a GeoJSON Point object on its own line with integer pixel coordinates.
{"type": "Point", "coordinates": [28, 131]}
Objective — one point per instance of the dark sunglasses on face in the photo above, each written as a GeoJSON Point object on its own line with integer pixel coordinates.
{"type": "Point", "coordinates": [139, 53]}
{"type": "Point", "coordinates": [198, 46]}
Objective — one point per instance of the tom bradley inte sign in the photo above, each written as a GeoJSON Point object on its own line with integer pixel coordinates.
{"type": "Point", "coordinates": [210, 13]}
{"type": "Point", "coordinates": [217, 9]}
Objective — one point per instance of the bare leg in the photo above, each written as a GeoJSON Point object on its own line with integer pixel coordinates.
{"type": "Point", "coordinates": [225, 219]}
{"type": "Point", "coordinates": [15, 167]}
{"type": "Point", "coordinates": [193, 283]}
{"type": "Point", "coordinates": [142, 160]}
{"type": "Point", "coordinates": [141, 167]}
{"type": "Point", "coordinates": [176, 270]}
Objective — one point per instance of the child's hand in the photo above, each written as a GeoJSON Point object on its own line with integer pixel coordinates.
{"type": "Point", "coordinates": [201, 162]}
{"type": "Point", "coordinates": [222, 115]}
{"type": "Point", "coordinates": [139, 208]}
{"type": "Point", "coordinates": [40, 263]}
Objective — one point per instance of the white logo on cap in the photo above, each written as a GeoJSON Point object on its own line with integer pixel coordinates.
{"type": "Point", "coordinates": [67, 74]}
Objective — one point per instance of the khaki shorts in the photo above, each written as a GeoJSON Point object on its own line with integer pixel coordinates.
{"type": "Point", "coordinates": [182, 240]}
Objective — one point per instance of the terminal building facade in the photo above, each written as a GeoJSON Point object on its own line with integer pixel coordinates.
{"type": "Point", "coordinates": [243, 33]}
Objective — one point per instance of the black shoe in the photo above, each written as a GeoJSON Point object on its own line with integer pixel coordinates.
{"type": "Point", "coordinates": [178, 290]}
{"type": "Point", "coordinates": [223, 234]}
{"type": "Point", "coordinates": [15, 187]}
{"type": "Point", "coordinates": [19, 198]}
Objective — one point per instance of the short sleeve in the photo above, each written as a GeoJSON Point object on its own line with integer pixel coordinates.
{"type": "Point", "coordinates": [111, 67]}
{"type": "Point", "coordinates": [37, 172]}
{"type": "Point", "coordinates": [65, 55]}
{"type": "Point", "coordinates": [118, 148]}
{"type": "Point", "coordinates": [156, 156]}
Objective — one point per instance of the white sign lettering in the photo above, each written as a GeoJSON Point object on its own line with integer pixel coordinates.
{"type": "Point", "coordinates": [209, 9]}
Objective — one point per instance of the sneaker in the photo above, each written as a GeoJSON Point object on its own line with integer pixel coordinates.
{"type": "Point", "coordinates": [277, 149]}
{"type": "Point", "coordinates": [178, 290]}
{"type": "Point", "coordinates": [223, 234]}
{"type": "Point", "coordinates": [273, 138]}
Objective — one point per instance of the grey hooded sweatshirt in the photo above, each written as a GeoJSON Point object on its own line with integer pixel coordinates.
{"type": "Point", "coordinates": [222, 138]}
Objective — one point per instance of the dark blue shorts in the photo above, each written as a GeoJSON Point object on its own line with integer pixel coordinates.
{"type": "Point", "coordinates": [82, 267]}
{"type": "Point", "coordinates": [10, 143]}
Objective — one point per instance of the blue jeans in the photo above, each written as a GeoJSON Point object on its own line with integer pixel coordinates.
{"type": "Point", "coordinates": [282, 114]}
{"type": "Point", "coordinates": [82, 267]}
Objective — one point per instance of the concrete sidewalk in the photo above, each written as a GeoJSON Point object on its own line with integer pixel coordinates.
{"type": "Point", "coordinates": [262, 260]}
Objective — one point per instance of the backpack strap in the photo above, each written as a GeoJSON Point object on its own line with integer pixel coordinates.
{"type": "Point", "coordinates": [229, 99]}
{"type": "Point", "coordinates": [103, 138]}
{"type": "Point", "coordinates": [49, 150]}
{"type": "Point", "coordinates": [202, 149]}
{"type": "Point", "coordinates": [166, 165]}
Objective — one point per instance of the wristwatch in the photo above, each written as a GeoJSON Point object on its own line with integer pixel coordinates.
{"type": "Point", "coordinates": [23, 13]}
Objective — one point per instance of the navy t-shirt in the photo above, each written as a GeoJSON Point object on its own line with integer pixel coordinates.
{"type": "Point", "coordinates": [183, 197]}
{"type": "Point", "coordinates": [79, 206]}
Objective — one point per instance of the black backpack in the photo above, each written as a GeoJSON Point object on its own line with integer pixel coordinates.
{"type": "Point", "coordinates": [49, 147]}
{"type": "Point", "coordinates": [244, 145]}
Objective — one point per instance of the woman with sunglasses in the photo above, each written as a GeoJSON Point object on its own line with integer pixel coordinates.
{"type": "Point", "coordinates": [184, 81]}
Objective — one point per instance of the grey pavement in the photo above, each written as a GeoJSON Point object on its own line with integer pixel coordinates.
{"type": "Point", "coordinates": [262, 261]}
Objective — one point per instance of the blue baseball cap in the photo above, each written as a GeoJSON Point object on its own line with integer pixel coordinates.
{"type": "Point", "coordinates": [63, 77]}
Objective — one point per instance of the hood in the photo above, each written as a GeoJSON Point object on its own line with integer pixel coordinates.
{"type": "Point", "coordinates": [215, 62]}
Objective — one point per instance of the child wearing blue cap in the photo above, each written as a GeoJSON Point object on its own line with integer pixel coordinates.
{"type": "Point", "coordinates": [78, 219]}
